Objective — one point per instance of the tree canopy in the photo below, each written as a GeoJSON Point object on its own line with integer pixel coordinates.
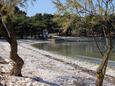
{"type": "Point", "coordinates": [93, 14]}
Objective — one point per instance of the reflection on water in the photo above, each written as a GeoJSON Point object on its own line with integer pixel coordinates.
{"type": "Point", "coordinates": [73, 49]}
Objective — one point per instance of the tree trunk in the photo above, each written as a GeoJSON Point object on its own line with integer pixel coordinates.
{"type": "Point", "coordinates": [102, 68]}
{"type": "Point", "coordinates": [18, 62]}
{"type": "Point", "coordinates": [9, 35]}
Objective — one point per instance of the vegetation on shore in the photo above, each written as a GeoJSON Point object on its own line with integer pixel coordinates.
{"type": "Point", "coordinates": [93, 15]}
{"type": "Point", "coordinates": [94, 18]}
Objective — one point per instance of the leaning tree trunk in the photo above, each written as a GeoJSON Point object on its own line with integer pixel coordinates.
{"type": "Point", "coordinates": [18, 62]}
{"type": "Point", "coordinates": [102, 67]}
{"type": "Point", "coordinates": [9, 35]}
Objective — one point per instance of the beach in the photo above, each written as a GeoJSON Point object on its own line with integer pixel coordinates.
{"type": "Point", "coordinates": [43, 68]}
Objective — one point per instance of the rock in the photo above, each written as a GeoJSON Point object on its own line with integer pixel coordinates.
{"type": "Point", "coordinates": [2, 61]}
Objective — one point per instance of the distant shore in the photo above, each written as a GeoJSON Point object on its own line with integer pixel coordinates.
{"type": "Point", "coordinates": [51, 69]}
{"type": "Point", "coordinates": [77, 39]}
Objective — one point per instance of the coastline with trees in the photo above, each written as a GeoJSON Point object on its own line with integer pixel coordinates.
{"type": "Point", "coordinates": [23, 65]}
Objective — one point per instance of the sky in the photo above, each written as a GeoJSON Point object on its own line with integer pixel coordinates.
{"type": "Point", "coordinates": [39, 6]}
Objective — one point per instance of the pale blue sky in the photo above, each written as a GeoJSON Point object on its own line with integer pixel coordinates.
{"type": "Point", "coordinates": [40, 6]}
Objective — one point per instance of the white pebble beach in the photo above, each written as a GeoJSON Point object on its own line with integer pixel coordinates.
{"type": "Point", "coordinates": [43, 68]}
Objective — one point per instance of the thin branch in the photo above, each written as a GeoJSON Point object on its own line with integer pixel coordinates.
{"type": "Point", "coordinates": [5, 27]}
{"type": "Point", "coordinates": [98, 47]}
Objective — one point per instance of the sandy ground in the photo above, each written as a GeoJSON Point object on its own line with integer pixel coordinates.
{"type": "Point", "coordinates": [42, 68]}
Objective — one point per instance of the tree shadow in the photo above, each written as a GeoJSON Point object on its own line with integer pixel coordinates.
{"type": "Point", "coordinates": [38, 79]}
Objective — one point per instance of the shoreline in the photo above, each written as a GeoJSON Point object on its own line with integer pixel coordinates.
{"type": "Point", "coordinates": [79, 57]}
{"type": "Point", "coordinates": [54, 68]}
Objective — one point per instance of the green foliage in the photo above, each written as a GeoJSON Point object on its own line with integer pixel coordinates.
{"type": "Point", "coordinates": [30, 26]}
{"type": "Point", "coordinates": [67, 20]}
{"type": "Point", "coordinates": [83, 13]}
{"type": "Point", "coordinates": [94, 14]}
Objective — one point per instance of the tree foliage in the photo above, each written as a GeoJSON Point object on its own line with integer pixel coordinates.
{"type": "Point", "coordinates": [32, 26]}
{"type": "Point", "coordinates": [7, 10]}
{"type": "Point", "coordinates": [92, 14]}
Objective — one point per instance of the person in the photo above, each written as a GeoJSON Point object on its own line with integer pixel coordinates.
{"type": "Point", "coordinates": [45, 34]}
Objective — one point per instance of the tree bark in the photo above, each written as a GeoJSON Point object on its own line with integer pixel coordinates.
{"type": "Point", "coordinates": [102, 67]}
{"type": "Point", "coordinates": [18, 62]}
{"type": "Point", "coordinates": [9, 35]}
